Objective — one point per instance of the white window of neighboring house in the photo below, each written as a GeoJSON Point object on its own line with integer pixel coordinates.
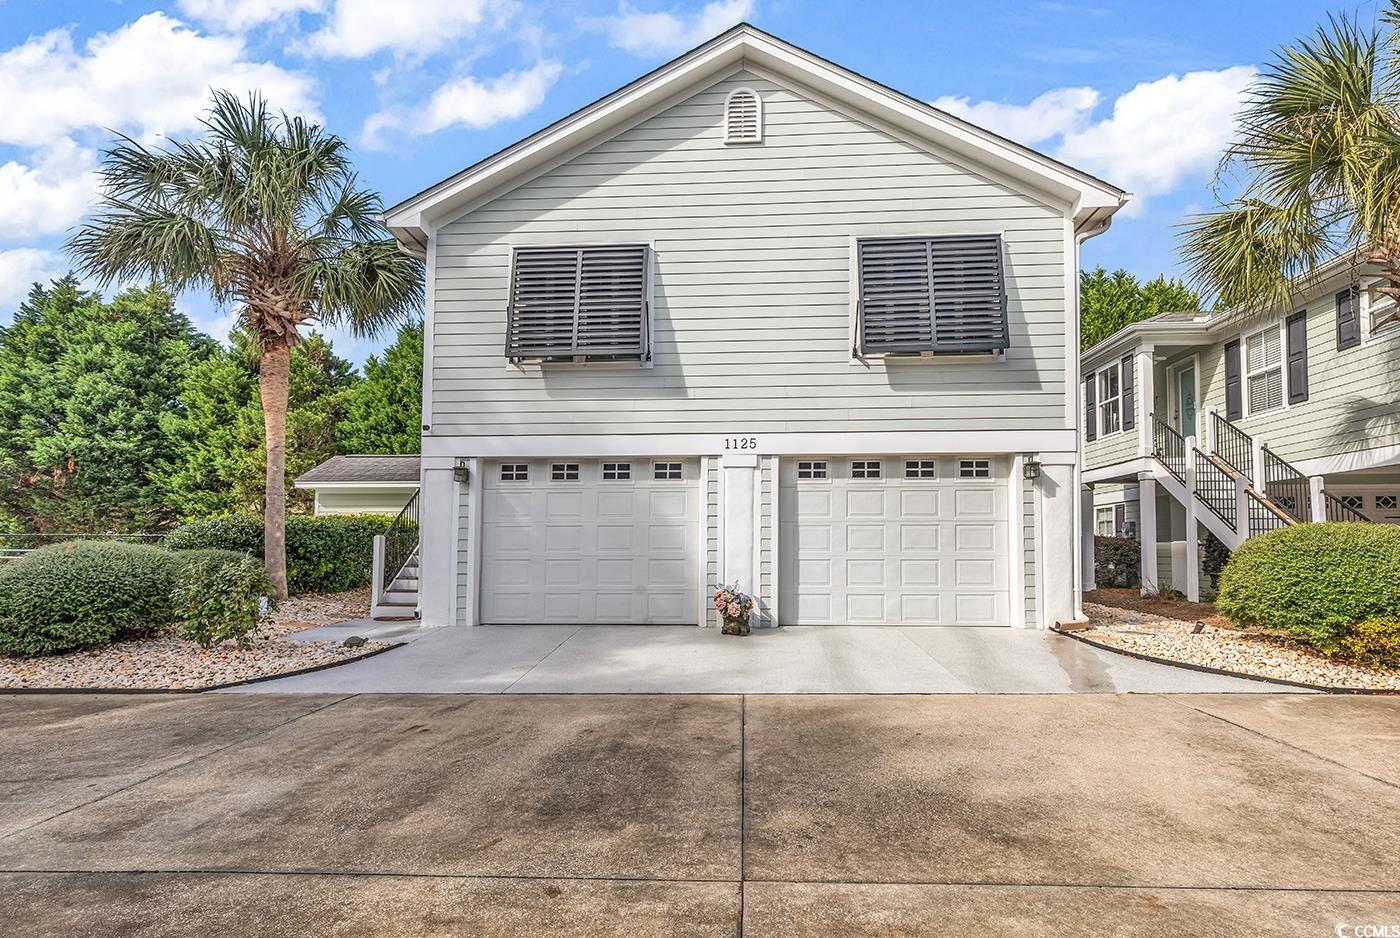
{"type": "Point", "coordinates": [515, 472]}
{"type": "Point", "coordinates": [1263, 369]}
{"type": "Point", "coordinates": [1382, 320]}
{"type": "Point", "coordinates": [974, 468]}
{"type": "Point", "coordinates": [811, 469]}
{"type": "Point", "coordinates": [1110, 400]}
{"type": "Point", "coordinates": [617, 471]}
{"type": "Point", "coordinates": [564, 472]}
{"type": "Point", "coordinates": [865, 469]}
{"type": "Point", "coordinates": [1103, 521]}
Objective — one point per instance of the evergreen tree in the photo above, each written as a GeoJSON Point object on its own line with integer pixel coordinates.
{"type": "Point", "coordinates": [83, 387]}
{"type": "Point", "coordinates": [1110, 301]}
{"type": "Point", "coordinates": [383, 413]}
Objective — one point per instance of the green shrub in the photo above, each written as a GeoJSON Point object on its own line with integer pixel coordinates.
{"type": "Point", "coordinates": [82, 594]}
{"type": "Point", "coordinates": [1117, 561]}
{"type": "Point", "coordinates": [1374, 643]}
{"type": "Point", "coordinates": [219, 596]}
{"type": "Point", "coordinates": [1314, 580]}
{"type": "Point", "coordinates": [325, 554]}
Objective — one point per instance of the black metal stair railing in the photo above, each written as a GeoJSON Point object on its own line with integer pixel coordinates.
{"type": "Point", "coordinates": [1216, 489]}
{"type": "Point", "coordinates": [1264, 516]}
{"type": "Point", "coordinates": [1169, 448]}
{"type": "Point", "coordinates": [1338, 510]}
{"type": "Point", "coordinates": [1286, 487]}
{"type": "Point", "coordinates": [1232, 445]}
{"type": "Point", "coordinates": [400, 542]}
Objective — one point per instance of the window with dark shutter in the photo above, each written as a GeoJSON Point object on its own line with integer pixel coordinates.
{"type": "Point", "coordinates": [1297, 352]}
{"type": "Point", "coordinates": [1091, 427]}
{"type": "Point", "coordinates": [1348, 320]}
{"type": "Point", "coordinates": [578, 303]}
{"type": "Point", "coordinates": [1129, 395]}
{"type": "Point", "coordinates": [923, 295]}
{"type": "Point", "coordinates": [1234, 396]}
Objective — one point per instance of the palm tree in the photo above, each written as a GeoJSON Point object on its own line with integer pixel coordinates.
{"type": "Point", "coordinates": [264, 211]}
{"type": "Point", "coordinates": [1316, 166]}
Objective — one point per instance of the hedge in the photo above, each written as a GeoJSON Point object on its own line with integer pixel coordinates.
{"type": "Point", "coordinates": [81, 594]}
{"type": "Point", "coordinates": [219, 596]}
{"type": "Point", "coordinates": [1314, 580]}
{"type": "Point", "coordinates": [325, 553]}
{"type": "Point", "coordinates": [1117, 561]}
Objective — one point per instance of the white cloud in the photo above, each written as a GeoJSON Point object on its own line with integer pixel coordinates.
{"type": "Point", "coordinates": [357, 28]}
{"type": "Point", "coordinates": [1053, 114]}
{"type": "Point", "coordinates": [470, 103]}
{"type": "Point", "coordinates": [151, 76]}
{"type": "Point", "coordinates": [1159, 133]}
{"type": "Point", "coordinates": [20, 269]}
{"type": "Point", "coordinates": [49, 196]}
{"type": "Point", "coordinates": [1162, 131]}
{"type": "Point", "coordinates": [238, 15]}
{"type": "Point", "coordinates": [666, 33]}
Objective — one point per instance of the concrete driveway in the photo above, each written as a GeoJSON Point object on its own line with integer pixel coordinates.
{"type": "Point", "coordinates": [435, 815]}
{"type": "Point", "coordinates": [630, 659]}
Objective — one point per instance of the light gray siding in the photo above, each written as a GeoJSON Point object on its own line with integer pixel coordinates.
{"type": "Point", "coordinates": [1115, 447]}
{"type": "Point", "coordinates": [752, 290]}
{"type": "Point", "coordinates": [711, 470]}
{"type": "Point", "coordinates": [464, 597]}
{"type": "Point", "coordinates": [1028, 545]}
{"type": "Point", "coordinates": [767, 493]}
{"type": "Point", "coordinates": [366, 501]}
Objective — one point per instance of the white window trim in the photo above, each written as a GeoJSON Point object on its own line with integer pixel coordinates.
{"type": "Point", "coordinates": [1281, 327]}
{"type": "Point", "coordinates": [1100, 401]}
{"type": "Point", "coordinates": [729, 138]}
{"type": "Point", "coordinates": [1099, 518]}
{"type": "Point", "coordinates": [1365, 302]}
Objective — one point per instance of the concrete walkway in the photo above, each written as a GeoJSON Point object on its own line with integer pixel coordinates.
{"type": "Point", "coordinates": [687, 660]}
{"type": "Point", "coordinates": [571, 816]}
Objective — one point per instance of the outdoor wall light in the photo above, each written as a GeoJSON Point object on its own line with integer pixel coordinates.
{"type": "Point", "coordinates": [1030, 469]}
{"type": "Point", "coordinates": [461, 472]}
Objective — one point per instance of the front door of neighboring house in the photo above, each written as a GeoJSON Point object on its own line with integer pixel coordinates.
{"type": "Point", "coordinates": [1186, 400]}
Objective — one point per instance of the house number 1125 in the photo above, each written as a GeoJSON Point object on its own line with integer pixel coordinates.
{"type": "Point", "coordinates": [741, 442]}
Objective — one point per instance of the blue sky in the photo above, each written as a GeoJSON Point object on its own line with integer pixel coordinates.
{"type": "Point", "coordinates": [1141, 94]}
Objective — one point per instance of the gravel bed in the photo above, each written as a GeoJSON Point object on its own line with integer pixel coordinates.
{"type": "Point", "coordinates": [164, 662]}
{"type": "Point", "coordinates": [1229, 649]}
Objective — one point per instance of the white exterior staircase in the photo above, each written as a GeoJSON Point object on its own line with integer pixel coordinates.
{"type": "Point", "coordinates": [394, 580]}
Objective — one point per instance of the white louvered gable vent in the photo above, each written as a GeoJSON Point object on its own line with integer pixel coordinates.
{"type": "Point", "coordinates": [925, 294]}
{"type": "Point", "coordinates": [579, 303]}
{"type": "Point", "coordinates": [743, 116]}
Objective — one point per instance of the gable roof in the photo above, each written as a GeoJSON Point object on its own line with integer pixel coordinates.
{"type": "Point", "coordinates": [1092, 200]}
{"type": "Point", "coordinates": [366, 470]}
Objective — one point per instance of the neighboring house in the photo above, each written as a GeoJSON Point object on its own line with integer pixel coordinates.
{"type": "Point", "coordinates": [1242, 421]}
{"type": "Point", "coordinates": [362, 485]}
{"type": "Point", "coordinates": [755, 319]}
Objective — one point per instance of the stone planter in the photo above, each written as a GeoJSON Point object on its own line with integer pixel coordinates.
{"type": "Point", "coordinates": [736, 626]}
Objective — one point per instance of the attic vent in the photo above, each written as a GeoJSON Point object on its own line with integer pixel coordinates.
{"type": "Point", "coordinates": [743, 117]}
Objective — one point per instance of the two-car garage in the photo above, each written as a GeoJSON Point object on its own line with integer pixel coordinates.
{"type": "Point", "coordinates": [878, 540]}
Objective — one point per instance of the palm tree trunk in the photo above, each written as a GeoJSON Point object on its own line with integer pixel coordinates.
{"type": "Point", "coordinates": [274, 383]}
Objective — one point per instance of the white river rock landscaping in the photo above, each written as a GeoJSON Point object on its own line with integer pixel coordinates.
{"type": "Point", "coordinates": [1237, 650]}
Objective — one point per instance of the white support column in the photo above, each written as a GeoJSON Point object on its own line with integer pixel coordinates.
{"type": "Point", "coordinates": [1318, 502]}
{"type": "Point", "coordinates": [1193, 538]}
{"type": "Point", "coordinates": [1147, 533]}
{"type": "Point", "coordinates": [1087, 531]}
{"type": "Point", "coordinates": [1241, 512]}
{"type": "Point", "coordinates": [1146, 398]}
{"type": "Point", "coordinates": [437, 550]}
{"type": "Point", "coordinates": [1055, 580]}
{"type": "Point", "coordinates": [1258, 476]}
{"type": "Point", "coordinates": [738, 494]}
{"type": "Point", "coordinates": [1210, 430]}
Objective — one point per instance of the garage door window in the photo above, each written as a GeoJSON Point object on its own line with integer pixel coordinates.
{"type": "Point", "coordinates": [617, 471]}
{"type": "Point", "coordinates": [564, 472]}
{"type": "Point", "coordinates": [921, 469]}
{"type": "Point", "coordinates": [515, 472]}
{"type": "Point", "coordinates": [811, 469]}
{"type": "Point", "coordinates": [666, 471]}
{"type": "Point", "coordinates": [974, 468]}
{"type": "Point", "coordinates": [865, 469]}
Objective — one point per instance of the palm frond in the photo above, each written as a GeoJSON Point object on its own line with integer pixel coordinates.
{"type": "Point", "coordinates": [1253, 251]}
{"type": "Point", "coordinates": [367, 287]}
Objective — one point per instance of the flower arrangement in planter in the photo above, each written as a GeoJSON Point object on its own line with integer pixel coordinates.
{"type": "Point", "coordinates": [734, 607]}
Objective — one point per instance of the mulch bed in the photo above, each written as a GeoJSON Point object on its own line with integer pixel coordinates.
{"type": "Point", "coordinates": [1225, 647]}
{"type": "Point", "coordinates": [164, 662]}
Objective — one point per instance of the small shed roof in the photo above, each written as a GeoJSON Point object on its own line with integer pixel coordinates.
{"type": "Point", "coordinates": [389, 470]}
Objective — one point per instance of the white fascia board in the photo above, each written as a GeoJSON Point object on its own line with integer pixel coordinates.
{"type": "Point", "coordinates": [1056, 446]}
{"type": "Point", "coordinates": [336, 486]}
{"type": "Point", "coordinates": [1126, 471]}
{"type": "Point", "coordinates": [744, 45]}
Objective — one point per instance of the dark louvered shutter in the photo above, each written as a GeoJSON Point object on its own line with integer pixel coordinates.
{"type": "Point", "coordinates": [1091, 423]}
{"type": "Point", "coordinates": [932, 295]}
{"type": "Point", "coordinates": [895, 311]}
{"type": "Point", "coordinates": [1120, 519]}
{"type": "Point", "coordinates": [1348, 320]}
{"type": "Point", "coordinates": [1129, 405]}
{"type": "Point", "coordinates": [578, 302]}
{"type": "Point", "coordinates": [1234, 397]}
{"type": "Point", "coordinates": [1297, 352]}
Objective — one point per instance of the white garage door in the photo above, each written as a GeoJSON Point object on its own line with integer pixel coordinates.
{"type": "Point", "coordinates": [590, 541]}
{"type": "Point", "coordinates": [894, 540]}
